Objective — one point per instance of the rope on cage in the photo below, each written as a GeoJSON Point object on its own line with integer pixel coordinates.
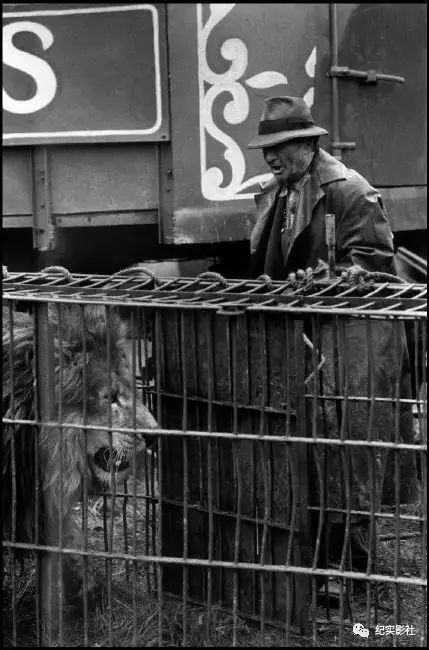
{"type": "Point", "coordinates": [211, 275]}
{"type": "Point", "coordinates": [265, 278]}
{"type": "Point", "coordinates": [360, 278]}
{"type": "Point", "coordinates": [57, 270]}
{"type": "Point", "coordinates": [309, 344]}
{"type": "Point", "coordinates": [301, 279]}
{"type": "Point", "coordinates": [136, 270]}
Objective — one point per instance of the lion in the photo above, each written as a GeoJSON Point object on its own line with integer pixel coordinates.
{"type": "Point", "coordinates": [90, 456]}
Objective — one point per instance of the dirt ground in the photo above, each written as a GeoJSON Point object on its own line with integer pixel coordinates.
{"type": "Point", "coordinates": [134, 617]}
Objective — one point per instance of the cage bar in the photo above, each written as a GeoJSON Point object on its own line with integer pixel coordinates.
{"type": "Point", "coordinates": [270, 453]}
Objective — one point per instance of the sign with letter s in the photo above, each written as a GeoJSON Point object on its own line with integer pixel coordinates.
{"type": "Point", "coordinates": [92, 74]}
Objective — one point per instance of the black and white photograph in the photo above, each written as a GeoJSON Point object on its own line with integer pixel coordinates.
{"type": "Point", "coordinates": [214, 325]}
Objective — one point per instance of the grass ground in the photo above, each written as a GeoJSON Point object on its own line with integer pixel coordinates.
{"type": "Point", "coordinates": [133, 617]}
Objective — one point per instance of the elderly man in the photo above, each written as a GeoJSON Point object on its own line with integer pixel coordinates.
{"type": "Point", "coordinates": [289, 234]}
{"type": "Point", "coordinates": [307, 183]}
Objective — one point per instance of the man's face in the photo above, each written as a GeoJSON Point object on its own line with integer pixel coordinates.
{"type": "Point", "coordinates": [288, 160]}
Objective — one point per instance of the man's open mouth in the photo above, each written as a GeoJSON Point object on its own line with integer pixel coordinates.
{"type": "Point", "coordinates": [103, 459]}
{"type": "Point", "coordinates": [276, 169]}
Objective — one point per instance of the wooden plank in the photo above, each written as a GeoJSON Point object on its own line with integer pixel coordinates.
{"type": "Point", "coordinates": [16, 182]}
{"type": "Point", "coordinates": [139, 218]}
{"type": "Point", "coordinates": [103, 179]}
{"type": "Point", "coordinates": [18, 221]}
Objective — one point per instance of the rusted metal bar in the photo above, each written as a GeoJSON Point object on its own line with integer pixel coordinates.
{"type": "Point", "coordinates": [12, 467]}
{"type": "Point", "coordinates": [85, 562]}
{"type": "Point", "coordinates": [285, 526]}
{"type": "Point", "coordinates": [262, 430]}
{"type": "Point", "coordinates": [61, 585]}
{"type": "Point", "coordinates": [159, 342]}
{"type": "Point", "coordinates": [173, 286]}
{"type": "Point", "coordinates": [353, 307]}
{"type": "Point", "coordinates": [50, 578]}
{"type": "Point", "coordinates": [232, 330]}
{"type": "Point", "coordinates": [135, 336]}
{"type": "Point", "coordinates": [153, 467]}
{"type": "Point", "coordinates": [290, 465]}
{"type": "Point", "coordinates": [346, 463]}
{"type": "Point", "coordinates": [148, 514]}
{"type": "Point", "coordinates": [109, 567]}
{"type": "Point", "coordinates": [36, 433]}
{"type": "Point", "coordinates": [397, 407]}
{"type": "Point", "coordinates": [369, 76]}
{"type": "Point", "coordinates": [302, 550]}
{"type": "Point", "coordinates": [148, 471]}
{"type": "Point", "coordinates": [181, 343]}
{"type": "Point", "coordinates": [273, 568]}
{"type": "Point", "coordinates": [245, 436]}
{"type": "Point", "coordinates": [315, 336]}
{"type": "Point", "coordinates": [371, 456]}
{"type": "Point", "coordinates": [210, 377]}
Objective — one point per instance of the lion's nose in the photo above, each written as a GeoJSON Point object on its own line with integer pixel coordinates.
{"type": "Point", "coordinates": [149, 420]}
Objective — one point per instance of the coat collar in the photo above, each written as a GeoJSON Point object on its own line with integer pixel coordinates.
{"type": "Point", "coordinates": [325, 170]}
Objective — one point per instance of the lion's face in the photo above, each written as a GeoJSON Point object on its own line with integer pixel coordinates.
{"type": "Point", "coordinates": [105, 388]}
{"type": "Point", "coordinates": [105, 451]}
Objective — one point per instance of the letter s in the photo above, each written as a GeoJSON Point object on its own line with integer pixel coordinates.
{"type": "Point", "coordinates": [41, 72]}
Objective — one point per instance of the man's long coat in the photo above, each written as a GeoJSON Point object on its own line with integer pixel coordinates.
{"type": "Point", "coordinates": [363, 237]}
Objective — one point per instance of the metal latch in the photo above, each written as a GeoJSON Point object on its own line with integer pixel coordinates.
{"type": "Point", "coordinates": [370, 76]}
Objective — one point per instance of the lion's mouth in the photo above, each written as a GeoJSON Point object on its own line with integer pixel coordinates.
{"type": "Point", "coordinates": [103, 458]}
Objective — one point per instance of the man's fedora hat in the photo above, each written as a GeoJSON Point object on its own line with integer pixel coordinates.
{"type": "Point", "coordinates": [283, 119]}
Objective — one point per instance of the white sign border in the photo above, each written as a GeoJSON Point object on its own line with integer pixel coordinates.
{"type": "Point", "coordinates": [86, 134]}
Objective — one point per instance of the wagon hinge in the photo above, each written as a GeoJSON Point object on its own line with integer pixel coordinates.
{"type": "Point", "coordinates": [44, 230]}
{"type": "Point", "coordinates": [369, 76]}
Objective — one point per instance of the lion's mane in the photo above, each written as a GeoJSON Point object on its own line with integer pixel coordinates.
{"type": "Point", "coordinates": [32, 453]}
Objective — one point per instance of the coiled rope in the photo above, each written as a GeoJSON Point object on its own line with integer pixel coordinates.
{"type": "Point", "coordinates": [138, 269]}
{"type": "Point", "coordinates": [57, 270]}
{"type": "Point", "coordinates": [303, 280]}
{"type": "Point", "coordinates": [359, 277]}
{"type": "Point", "coordinates": [266, 280]}
{"type": "Point", "coordinates": [355, 276]}
{"type": "Point", "coordinates": [211, 275]}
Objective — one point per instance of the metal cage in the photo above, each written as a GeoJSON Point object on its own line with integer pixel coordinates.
{"type": "Point", "coordinates": [285, 483]}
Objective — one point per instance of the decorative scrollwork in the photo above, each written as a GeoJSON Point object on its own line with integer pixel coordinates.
{"type": "Point", "coordinates": [235, 111]}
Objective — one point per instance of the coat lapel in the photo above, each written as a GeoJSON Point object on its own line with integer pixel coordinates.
{"type": "Point", "coordinates": [264, 202]}
{"type": "Point", "coordinates": [326, 169]}
{"type": "Point", "coordinates": [311, 194]}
